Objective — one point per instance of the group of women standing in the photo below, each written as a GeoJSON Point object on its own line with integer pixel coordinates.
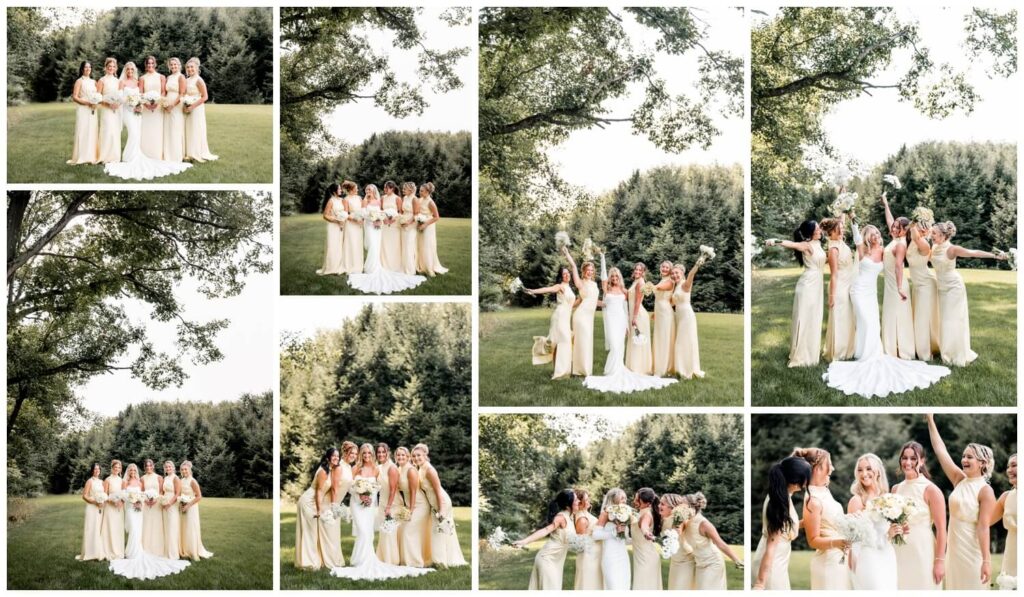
{"type": "Point", "coordinates": [933, 553]}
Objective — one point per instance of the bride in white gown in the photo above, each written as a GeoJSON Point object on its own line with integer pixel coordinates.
{"type": "Point", "coordinates": [615, 561]}
{"type": "Point", "coordinates": [873, 560]}
{"type": "Point", "coordinates": [137, 563]}
{"type": "Point", "coordinates": [617, 378]}
{"type": "Point", "coordinates": [134, 164]}
{"type": "Point", "coordinates": [875, 373]}
{"type": "Point", "coordinates": [374, 279]}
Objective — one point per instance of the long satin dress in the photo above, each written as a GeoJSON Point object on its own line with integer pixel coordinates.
{"type": "Point", "coordinates": [330, 531]}
{"type": "Point", "coordinates": [391, 237]}
{"type": "Point", "coordinates": [92, 540]}
{"type": "Point", "coordinates": [560, 332]}
{"type": "Point", "coordinates": [778, 572]}
{"type": "Point", "coordinates": [897, 315]}
{"type": "Point", "coordinates": [963, 555]}
{"type": "Point", "coordinates": [112, 527]}
{"type": "Point", "coordinates": [409, 239]}
{"type": "Point", "coordinates": [914, 559]}
{"type": "Point", "coordinates": [827, 571]}
{"type": "Point", "coordinates": [174, 122]}
{"type": "Point", "coordinates": [307, 544]}
{"type": "Point", "coordinates": [414, 535]}
{"type": "Point", "coordinates": [153, 520]}
{"type": "Point", "coordinates": [387, 544]}
{"type": "Point", "coordinates": [152, 138]}
{"type": "Point", "coordinates": [426, 245]}
{"type": "Point", "coordinates": [710, 566]}
{"type": "Point", "coordinates": [191, 533]}
{"type": "Point", "coordinates": [924, 291]}
{"type": "Point", "coordinates": [955, 321]}
{"type": "Point", "coordinates": [583, 330]}
{"type": "Point", "coordinates": [664, 338]}
{"type": "Point", "coordinates": [808, 309]}
{"type": "Point", "coordinates": [682, 566]}
{"type": "Point", "coordinates": [172, 523]}
{"type": "Point", "coordinates": [639, 356]}
{"type": "Point", "coordinates": [841, 332]}
{"type": "Point", "coordinates": [87, 127]}
{"type": "Point", "coordinates": [588, 563]}
{"type": "Point", "coordinates": [444, 548]}
{"type": "Point", "coordinates": [549, 564]}
{"type": "Point", "coordinates": [110, 123]}
{"type": "Point", "coordinates": [197, 148]}
{"type": "Point", "coordinates": [352, 247]}
{"type": "Point", "coordinates": [686, 352]}
{"type": "Point", "coordinates": [334, 241]}
{"type": "Point", "coordinates": [1010, 524]}
{"type": "Point", "coordinates": [646, 560]}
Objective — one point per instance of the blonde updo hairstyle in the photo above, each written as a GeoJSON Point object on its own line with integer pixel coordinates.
{"type": "Point", "coordinates": [985, 455]}
{"type": "Point", "coordinates": [697, 501]}
{"type": "Point", "coordinates": [947, 229]}
{"type": "Point", "coordinates": [194, 62]}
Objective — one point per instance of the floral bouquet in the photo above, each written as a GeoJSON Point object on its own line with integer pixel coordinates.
{"type": "Point", "coordinates": [376, 217]}
{"type": "Point", "coordinates": [185, 500]}
{"type": "Point", "coordinates": [112, 98]}
{"type": "Point", "coordinates": [167, 499]}
{"type": "Point", "coordinates": [515, 286]}
{"type": "Point", "coordinates": [366, 487]}
{"type": "Point", "coordinates": [341, 512]}
{"type": "Point", "coordinates": [923, 215]}
{"type": "Point", "coordinates": [1005, 582]}
{"type": "Point", "coordinates": [1011, 259]}
{"type": "Point", "coordinates": [562, 240]}
{"type": "Point", "coordinates": [648, 288]}
{"type": "Point", "coordinates": [100, 499]}
{"type": "Point", "coordinates": [341, 216]}
{"type": "Point", "coordinates": [855, 528]}
{"type": "Point", "coordinates": [892, 180]}
{"type": "Point", "coordinates": [840, 176]}
{"type": "Point", "coordinates": [133, 100]}
{"type": "Point", "coordinates": [405, 218]}
{"type": "Point", "coordinates": [581, 544]}
{"type": "Point", "coordinates": [151, 495]}
{"type": "Point", "coordinates": [843, 203]}
{"type": "Point", "coordinates": [152, 98]}
{"type": "Point", "coordinates": [327, 516]}
{"type": "Point", "coordinates": [682, 514]}
{"type": "Point", "coordinates": [620, 514]}
{"type": "Point", "coordinates": [189, 100]}
{"type": "Point", "coordinates": [135, 498]}
{"type": "Point", "coordinates": [401, 513]}
{"type": "Point", "coordinates": [422, 218]}
{"type": "Point", "coordinates": [707, 252]}
{"type": "Point", "coordinates": [443, 525]}
{"type": "Point", "coordinates": [667, 544]}
{"type": "Point", "coordinates": [590, 249]}
{"type": "Point", "coordinates": [390, 214]}
{"type": "Point", "coordinates": [498, 539]}
{"type": "Point", "coordinates": [894, 508]}
{"type": "Point", "coordinates": [638, 338]}
{"type": "Point", "coordinates": [94, 97]}
{"type": "Point", "coordinates": [357, 214]}
{"type": "Point", "coordinates": [389, 526]}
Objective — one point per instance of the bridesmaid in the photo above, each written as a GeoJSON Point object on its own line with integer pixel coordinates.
{"type": "Point", "coordinates": [687, 348]}
{"type": "Point", "coordinates": [174, 116]}
{"type": "Point", "coordinates": [682, 567]}
{"type": "Point", "coordinates": [840, 333]}
{"type": "Point", "coordinates": [924, 292]}
{"type": "Point", "coordinates": [971, 508]}
{"type": "Point", "coordinates": [112, 530]}
{"type": "Point", "coordinates": [549, 564]}
{"type": "Point", "coordinates": [352, 248]}
{"type": "Point", "coordinates": [152, 134]}
{"type": "Point", "coordinates": [955, 325]}
{"type": "Point", "coordinates": [191, 537]}
{"type": "Point", "coordinates": [921, 562]}
{"type": "Point", "coordinates": [560, 329]}
{"type": "Point", "coordinates": [897, 312]}
{"type": "Point", "coordinates": [1006, 509]}
{"type": "Point", "coordinates": [391, 236]}
{"type": "Point", "coordinates": [664, 338]}
{"type": "Point", "coordinates": [426, 244]}
{"type": "Point", "coordinates": [307, 544]}
{"type": "Point", "coordinates": [821, 515]}
{"type": "Point", "coordinates": [639, 358]}
{"type": "Point", "coordinates": [644, 530]}
{"type": "Point", "coordinates": [805, 335]}
{"type": "Point", "coordinates": [588, 563]}
{"type": "Point", "coordinates": [172, 512]}
{"type": "Point", "coordinates": [86, 146]}
{"type": "Point", "coordinates": [387, 477]}
{"type": "Point", "coordinates": [414, 535]}
{"type": "Point", "coordinates": [583, 318]}
{"type": "Point", "coordinates": [333, 209]}
{"type": "Point", "coordinates": [110, 113]}
{"type": "Point", "coordinates": [780, 524]}
{"type": "Point", "coordinates": [708, 547]}
{"type": "Point", "coordinates": [341, 478]}
{"type": "Point", "coordinates": [409, 233]}
{"type": "Point", "coordinates": [152, 515]}
{"type": "Point", "coordinates": [444, 548]}
{"type": "Point", "coordinates": [196, 147]}
{"type": "Point", "coordinates": [92, 541]}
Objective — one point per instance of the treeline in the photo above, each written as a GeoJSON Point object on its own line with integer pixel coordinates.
{"type": "Point", "coordinates": [446, 159]}
{"type": "Point", "coordinates": [524, 461]}
{"type": "Point", "coordinates": [234, 45]}
{"type": "Point", "coordinates": [398, 373]}
{"type": "Point", "coordinates": [662, 214]}
{"type": "Point", "coordinates": [229, 443]}
{"type": "Point", "coordinates": [847, 437]}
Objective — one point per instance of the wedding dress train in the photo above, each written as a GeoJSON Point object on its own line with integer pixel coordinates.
{"type": "Point", "coordinates": [375, 279]}
{"type": "Point", "coordinates": [134, 164]}
{"type": "Point", "coordinates": [137, 563]}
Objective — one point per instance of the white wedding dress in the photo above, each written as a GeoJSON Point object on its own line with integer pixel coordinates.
{"type": "Point", "coordinates": [617, 378]}
{"type": "Point", "coordinates": [875, 560]}
{"type": "Point", "coordinates": [137, 563]}
{"type": "Point", "coordinates": [134, 164]}
{"type": "Point", "coordinates": [375, 279]}
{"type": "Point", "coordinates": [615, 562]}
{"type": "Point", "coordinates": [364, 562]}
{"type": "Point", "coordinates": [875, 373]}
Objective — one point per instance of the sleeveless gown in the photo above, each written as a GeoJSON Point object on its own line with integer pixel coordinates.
{"type": "Point", "coordinates": [174, 122]}
{"type": "Point", "coordinates": [827, 572]}
{"type": "Point", "coordinates": [710, 568]}
{"type": "Point", "coordinates": [408, 232]}
{"type": "Point", "coordinates": [112, 529]}
{"type": "Point", "coordinates": [333, 242]}
{"type": "Point", "coordinates": [560, 334]}
{"type": "Point", "coordinates": [1010, 524]}
{"type": "Point", "coordinates": [85, 149]}
{"type": "Point", "coordinates": [897, 314]}
{"type": "Point", "coordinates": [426, 245]}
{"type": "Point", "coordinates": [583, 329]}
{"type": "Point", "coordinates": [808, 309]}
{"type": "Point", "coordinates": [92, 543]}
{"type": "Point", "coordinates": [444, 548]}
{"type": "Point", "coordinates": [387, 543]}
{"type": "Point", "coordinates": [197, 148]}
{"type": "Point", "coordinates": [915, 558]}
{"type": "Point", "coordinates": [687, 347]}
{"type": "Point", "coordinates": [375, 279]}
{"type": "Point", "coordinates": [639, 357]}
{"type": "Point", "coordinates": [876, 559]}
{"type": "Point", "coordinates": [963, 555]}
{"type": "Point", "coordinates": [414, 535]}
{"type": "Point", "coordinates": [110, 122]}
{"type": "Point", "coordinates": [664, 338]}
{"type": "Point", "coordinates": [138, 563]}
{"type": "Point", "coordinates": [588, 563]}
{"type": "Point", "coordinates": [172, 523]}
{"type": "Point", "coordinates": [616, 570]}
{"type": "Point", "coordinates": [307, 533]}
{"type": "Point", "coordinates": [955, 322]}
{"type": "Point", "coordinates": [135, 164]}
{"type": "Point", "coordinates": [617, 378]}
{"type": "Point", "coordinates": [646, 560]}
{"type": "Point", "coordinates": [391, 238]}
{"type": "Point", "coordinates": [191, 533]}
{"type": "Point", "coordinates": [841, 330]}
{"type": "Point", "coordinates": [778, 572]}
{"type": "Point", "coordinates": [352, 246]}
{"type": "Point", "coordinates": [549, 564]}
{"type": "Point", "coordinates": [924, 291]}
{"type": "Point", "coordinates": [152, 134]}
{"type": "Point", "coordinates": [153, 519]}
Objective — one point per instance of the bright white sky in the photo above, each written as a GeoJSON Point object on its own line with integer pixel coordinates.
{"type": "Point", "coordinates": [306, 315]}
{"type": "Point", "coordinates": [453, 111]}
{"type": "Point", "coordinates": [615, 420]}
{"type": "Point", "coordinates": [598, 159]}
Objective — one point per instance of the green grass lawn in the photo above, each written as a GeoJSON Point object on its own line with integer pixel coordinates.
{"type": "Point", "coordinates": [511, 571]}
{"type": "Point", "coordinates": [41, 549]}
{"type": "Point", "coordinates": [459, 578]}
{"type": "Point", "coordinates": [991, 380]}
{"type": "Point", "coordinates": [800, 569]}
{"type": "Point", "coordinates": [508, 377]}
{"type": "Point", "coordinates": [39, 141]}
{"type": "Point", "coordinates": [302, 253]}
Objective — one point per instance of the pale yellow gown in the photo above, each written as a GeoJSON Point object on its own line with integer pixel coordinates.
{"type": "Point", "coordinates": [153, 520]}
{"type": "Point", "coordinates": [174, 122]}
{"type": "Point", "coordinates": [330, 532]}
{"type": "Point", "coordinates": [664, 336]}
{"type": "Point", "coordinates": [409, 234]}
{"type": "Point", "coordinates": [963, 555]}
{"type": "Point", "coordinates": [778, 572]}
{"type": "Point", "coordinates": [352, 248]}
{"type": "Point", "coordinates": [307, 544]}
{"type": "Point", "coordinates": [687, 347]}
{"type": "Point", "coordinates": [646, 560]}
{"type": "Point", "coordinates": [172, 524]}
{"type": "Point", "coordinates": [560, 332]}
{"type": "Point", "coordinates": [87, 128]}
{"type": "Point", "coordinates": [151, 138]}
{"type": "Point", "coordinates": [841, 332]}
{"type": "Point", "coordinates": [92, 541]}
{"type": "Point", "coordinates": [914, 560]}
{"type": "Point", "coordinates": [924, 291]}
{"type": "Point", "coordinates": [549, 564]}
{"type": "Point", "coordinates": [197, 148]}
{"type": "Point", "coordinates": [334, 241]}
{"type": "Point", "coordinates": [112, 529]}
{"type": "Point", "coordinates": [710, 565]}
{"type": "Point", "coordinates": [808, 309]}
{"type": "Point", "coordinates": [391, 238]}
{"type": "Point", "coordinates": [414, 535]}
{"type": "Point", "coordinates": [110, 124]}
{"type": "Point", "coordinates": [426, 245]}
{"type": "Point", "coordinates": [1010, 524]}
{"type": "Point", "coordinates": [954, 323]}
{"type": "Point", "coordinates": [682, 566]}
{"type": "Point", "coordinates": [827, 571]}
{"type": "Point", "coordinates": [897, 314]}
{"type": "Point", "coordinates": [639, 357]}
{"type": "Point", "coordinates": [191, 534]}
{"type": "Point", "coordinates": [444, 548]}
{"type": "Point", "coordinates": [588, 563]}
{"type": "Point", "coordinates": [387, 544]}
{"type": "Point", "coordinates": [583, 330]}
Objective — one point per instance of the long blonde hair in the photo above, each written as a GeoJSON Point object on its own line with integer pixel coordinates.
{"type": "Point", "coordinates": [368, 447]}
{"type": "Point", "coordinates": [881, 480]}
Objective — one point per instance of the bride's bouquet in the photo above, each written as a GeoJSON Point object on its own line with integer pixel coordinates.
{"type": "Point", "coordinates": [843, 203]}
{"type": "Point", "coordinates": [896, 509]}
{"type": "Point", "coordinates": [840, 176]}
{"type": "Point", "coordinates": [94, 97]}
{"type": "Point", "coordinates": [855, 528]}
{"type": "Point", "coordinates": [184, 500]}
{"type": "Point", "coordinates": [366, 487]}
{"type": "Point", "coordinates": [922, 215]}
{"type": "Point", "coordinates": [135, 498]}
{"type": "Point", "coordinates": [376, 216]}
{"type": "Point", "coordinates": [707, 253]}
{"type": "Point", "coordinates": [133, 100]}
{"type": "Point", "coordinates": [667, 544]}
{"type": "Point", "coordinates": [620, 514]}
{"type": "Point", "coordinates": [893, 181]}
{"type": "Point", "coordinates": [389, 526]}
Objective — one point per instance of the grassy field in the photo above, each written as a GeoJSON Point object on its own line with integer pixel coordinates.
{"type": "Point", "coordinates": [991, 380]}
{"type": "Point", "coordinates": [460, 578]}
{"type": "Point", "coordinates": [302, 253]}
{"type": "Point", "coordinates": [800, 569]}
{"type": "Point", "coordinates": [512, 571]}
{"type": "Point", "coordinates": [39, 141]}
{"type": "Point", "coordinates": [41, 549]}
{"type": "Point", "coordinates": [508, 378]}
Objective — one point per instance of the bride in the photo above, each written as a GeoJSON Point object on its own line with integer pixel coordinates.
{"type": "Point", "coordinates": [875, 373]}
{"type": "Point", "coordinates": [617, 378]}
{"type": "Point", "coordinates": [375, 278]}
{"type": "Point", "coordinates": [872, 561]}
{"type": "Point", "coordinates": [134, 164]}
{"type": "Point", "coordinates": [615, 562]}
{"type": "Point", "coordinates": [137, 563]}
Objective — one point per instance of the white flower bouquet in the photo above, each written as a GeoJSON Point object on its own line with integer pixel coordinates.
{"type": "Point", "coordinates": [100, 498]}
{"type": "Point", "coordinates": [389, 526]}
{"type": "Point", "coordinates": [682, 514]}
{"type": "Point", "coordinates": [405, 218]}
{"type": "Point", "coordinates": [923, 215]}
{"type": "Point", "coordinates": [133, 100]}
{"type": "Point", "coordinates": [498, 539]}
{"type": "Point", "coordinates": [152, 98]}
{"type": "Point", "coordinates": [667, 544]}
{"type": "Point", "coordinates": [648, 288]}
{"type": "Point", "coordinates": [167, 499]}
{"type": "Point", "coordinates": [341, 512]}
{"type": "Point", "coordinates": [401, 513]}
{"type": "Point", "coordinates": [135, 498]}
{"type": "Point", "coordinates": [896, 509]}
{"type": "Point", "coordinates": [855, 528]}
{"type": "Point", "coordinates": [638, 338]}
{"type": "Point", "coordinates": [843, 203]}
{"type": "Point", "coordinates": [581, 544]}
{"type": "Point", "coordinates": [327, 516]}
{"type": "Point", "coordinates": [840, 176]}
{"type": "Point", "coordinates": [184, 500]}
{"type": "Point", "coordinates": [366, 487]}
{"type": "Point", "coordinates": [93, 97]}
{"type": "Point", "coordinates": [189, 100]}
{"type": "Point", "coordinates": [112, 98]}
{"type": "Point", "coordinates": [376, 216]}
{"type": "Point", "coordinates": [515, 285]}
{"type": "Point", "coordinates": [590, 250]}
{"type": "Point", "coordinates": [1011, 258]}
{"type": "Point", "coordinates": [893, 181]}
{"type": "Point", "coordinates": [1005, 582]}
{"type": "Point", "coordinates": [391, 214]}
{"type": "Point", "coordinates": [422, 218]}
{"type": "Point", "coordinates": [562, 240]}
{"type": "Point", "coordinates": [707, 252]}
{"type": "Point", "coordinates": [443, 525]}
{"type": "Point", "coordinates": [620, 514]}
{"type": "Point", "coordinates": [357, 214]}
{"type": "Point", "coordinates": [151, 495]}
